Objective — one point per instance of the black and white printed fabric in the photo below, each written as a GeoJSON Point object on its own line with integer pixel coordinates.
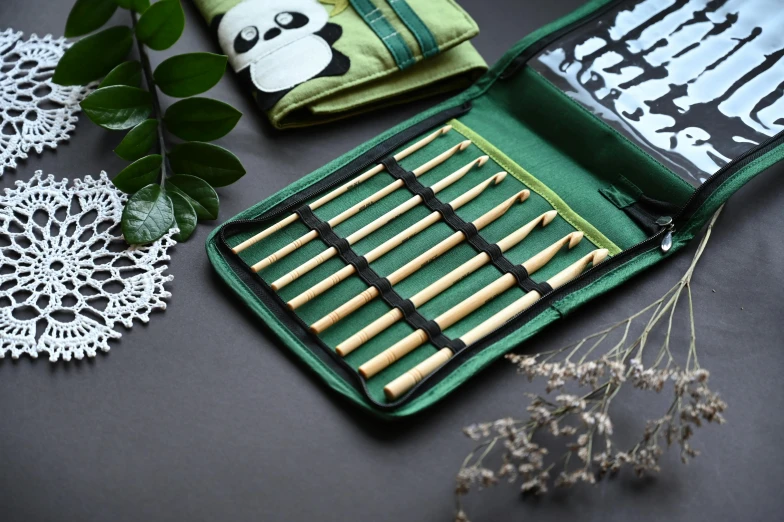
{"type": "Point", "coordinates": [694, 82]}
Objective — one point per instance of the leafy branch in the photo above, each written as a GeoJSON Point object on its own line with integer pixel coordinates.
{"type": "Point", "coordinates": [175, 186]}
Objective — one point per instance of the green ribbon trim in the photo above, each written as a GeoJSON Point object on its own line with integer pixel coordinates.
{"type": "Point", "coordinates": [386, 32]}
{"type": "Point", "coordinates": [565, 211]}
{"type": "Point", "coordinates": [418, 28]}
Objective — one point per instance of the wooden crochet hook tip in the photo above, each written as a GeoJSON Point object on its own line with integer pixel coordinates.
{"type": "Point", "coordinates": [341, 190]}
{"type": "Point", "coordinates": [548, 217]}
{"type": "Point", "coordinates": [379, 222]}
{"type": "Point", "coordinates": [558, 280]}
{"type": "Point", "coordinates": [575, 238]}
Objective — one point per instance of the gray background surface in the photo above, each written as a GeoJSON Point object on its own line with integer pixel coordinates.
{"type": "Point", "coordinates": [200, 415]}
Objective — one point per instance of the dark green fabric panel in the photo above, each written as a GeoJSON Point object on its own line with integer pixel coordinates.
{"type": "Point", "coordinates": [572, 152]}
{"type": "Point", "coordinates": [535, 185]}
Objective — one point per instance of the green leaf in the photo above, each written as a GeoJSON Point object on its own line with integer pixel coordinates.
{"type": "Point", "coordinates": [199, 194]}
{"type": "Point", "coordinates": [117, 107]}
{"type": "Point", "coordinates": [161, 25]}
{"type": "Point", "coordinates": [201, 119]}
{"type": "Point", "coordinates": [147, 216]}
{"type": "Point", "coordinates": [88, 15]}
{"type": "Point", "coordinates": [189, 74]}
{"type": "Point", "coordinates": [138, 141]}
{"type": "Point", "coordinates": [94, 56]}
{"type": "Point", "coordinates": [184, 216]}
{"type": "Point", "coordinates": [139, 174]}
{"type": "Point", "coordinates": [127, 73]}
{"type": "Point", "coordinates": [215, 165]}
{"type": "Point", "coordinates": [134, 5]}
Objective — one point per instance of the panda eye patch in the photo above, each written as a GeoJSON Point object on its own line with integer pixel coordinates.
{"type": "Point", "coordinates": [291, 20]}
{"type": "Point", "coordinates": [246, 39]}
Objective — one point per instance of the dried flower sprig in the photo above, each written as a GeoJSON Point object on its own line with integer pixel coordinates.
{"type": "Point", "coordinates": [581, 420]}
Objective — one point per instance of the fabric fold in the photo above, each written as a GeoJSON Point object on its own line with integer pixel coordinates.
{"type": "Point", "coordinates": [304, 66]}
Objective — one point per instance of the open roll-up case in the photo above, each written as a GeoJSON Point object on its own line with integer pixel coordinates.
{"type": "Point", "coordinates": [633, 120]}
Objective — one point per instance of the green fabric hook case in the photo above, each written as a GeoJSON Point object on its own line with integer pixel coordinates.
{"type": "Point", "coordinates": [628, 171]}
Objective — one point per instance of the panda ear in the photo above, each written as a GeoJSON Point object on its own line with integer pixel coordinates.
{"type": "Point", "coordinates": [216, 20]}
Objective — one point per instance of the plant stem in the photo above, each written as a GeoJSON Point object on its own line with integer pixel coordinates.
{"type": "Point", "coordinates": [156, 104]}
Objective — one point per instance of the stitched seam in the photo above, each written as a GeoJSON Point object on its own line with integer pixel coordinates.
{"type": "Point", "coordinates": [386, 32]}
{"type": "Point", "coordinates": [425, 39]}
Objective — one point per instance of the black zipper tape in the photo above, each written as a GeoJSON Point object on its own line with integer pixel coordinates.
{"type": "Point", "coordinates": [705, 190]}
{"type": "Point", "coordinates": [535, 48]}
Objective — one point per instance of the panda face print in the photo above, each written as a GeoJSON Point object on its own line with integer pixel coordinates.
{"type": "Point", "coordinates": [254, 29]}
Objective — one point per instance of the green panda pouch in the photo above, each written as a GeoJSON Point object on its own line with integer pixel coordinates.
{"type": "Point", "coordinates": [309, 61]}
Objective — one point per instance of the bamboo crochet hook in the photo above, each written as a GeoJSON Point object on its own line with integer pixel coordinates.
{"type": "Point", "coordinates": [435, 288]}
{"type": "Point", "coordinates": [374, 225]}
{"type": "Point", "coordinates": [359, 207]}
{"type": "Point", "coordinates": [280, 225]}
{"type": "Point", "coordinates": [408, 380]}
{"type": "Point", "coordinates": [464, 308]}
{"type": "Point", "coordinates": [392, 243]}
{"type": "Point", "coordinates": [423, 259]}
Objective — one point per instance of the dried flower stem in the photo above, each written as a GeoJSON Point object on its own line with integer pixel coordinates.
{"type": "Point", "coordinates": [583, 420]}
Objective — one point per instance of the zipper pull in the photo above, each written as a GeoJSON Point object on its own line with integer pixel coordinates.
{"type": "Point", "coordinates": [666, 221]}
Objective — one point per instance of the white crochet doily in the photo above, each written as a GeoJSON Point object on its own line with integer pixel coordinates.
{"type": "Point", "coordinates": [34, 112]}
{"type": "Point", "coordinates": [67, 277]}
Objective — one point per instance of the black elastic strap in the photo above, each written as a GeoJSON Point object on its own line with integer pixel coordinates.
{"type": "Point", "coordinates": [457, 223]}
{"type": "Point", "coordinates": [371, 278]}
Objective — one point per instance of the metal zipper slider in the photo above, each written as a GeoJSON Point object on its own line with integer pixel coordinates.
{"type": "Point", "coordinates": [666, 221]}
